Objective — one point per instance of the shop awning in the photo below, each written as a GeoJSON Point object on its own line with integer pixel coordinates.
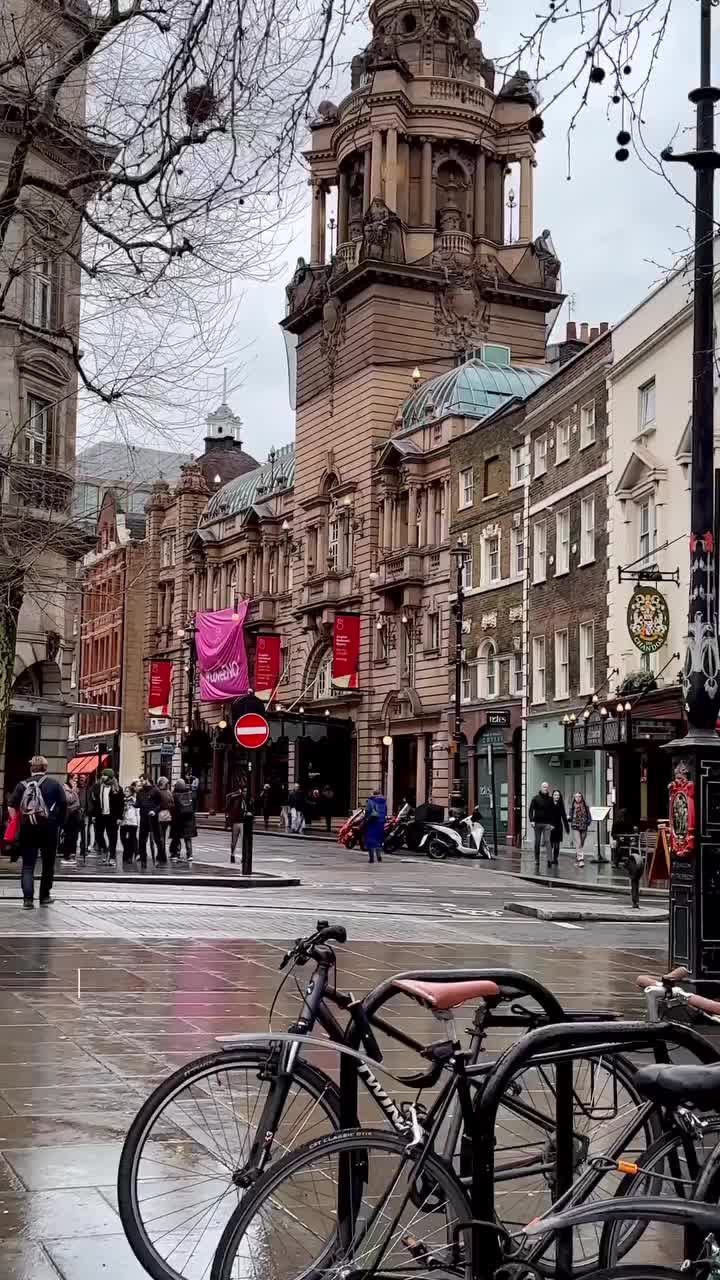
{"type": "Point", "coordinates": [87, 764]}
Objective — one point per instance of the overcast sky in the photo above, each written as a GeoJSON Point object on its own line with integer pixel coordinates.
{"type": "Point", "coordinates": [615, 226]}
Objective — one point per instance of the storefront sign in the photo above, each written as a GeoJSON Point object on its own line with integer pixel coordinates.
{"type": "Point", "coordinates": [682, 811]}
{"type": "Point", "coordinates": [222, 661]}
{"type": "Point", "coordinates": [346, 651]}
{"type": "Point", "coordinates": [267, 666]}
{"type": "Point", "coordinates": [499, 718]}
{"type": "Point", "coordinates": [648, 619]}
{"type": "Point", "coordinates": [160, 687]}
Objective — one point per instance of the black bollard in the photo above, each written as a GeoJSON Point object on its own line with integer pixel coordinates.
{"type": "Point", "coordinates": [635, 870]}
{"type": "Point", "coordinates": [247, 843]}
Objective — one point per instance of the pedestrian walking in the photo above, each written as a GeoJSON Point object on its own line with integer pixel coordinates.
{"type": "Point", "coordinates": [183, 821]}
{"type": "Point", "coordinates": [73, 822]}
{"type": "Point", "coordinates": [148, 800]}
{"type": "Point", "coordinates": [298, 806]}
{"type": "Point", "coordinates": [560, 824]}
{"type": "Point", "coordinates": [41, 805]}
{"type": "Point", "coordinates": [327, 797]}
{"type": "Point", "coordinates": [108, 801]}
{"type": "Point", "coordinates": [579, 823]}
{"type": "Point", "coordinates": [542, 816]}
{"type": "Point", "coordinates": [234, 816]}
{"type": "Point", "coordinates": [266, 803]}
{"type": "Point", "coordinates": [162, 819]}
{"type": "Point", "coordinates": [130, 825]}
{"type": "Point", "coordinates": [374, 825]}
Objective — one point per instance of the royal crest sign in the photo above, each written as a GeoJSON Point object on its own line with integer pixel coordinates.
{"type": "Point", "coordinates": [648, 619]}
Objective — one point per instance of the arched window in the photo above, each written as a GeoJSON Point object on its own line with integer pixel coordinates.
{"type": "Point", "coordinates": [322, 684]}
{"type": "Point", "coordinates": [488, 670]}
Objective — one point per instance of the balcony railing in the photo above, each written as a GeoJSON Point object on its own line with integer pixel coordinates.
{"type": "Point", "coordinates": [349, 253]}
{"type": "Point", "coordinates": [454, 242]}
{"type": "Point", "coordinates": [38, 487]}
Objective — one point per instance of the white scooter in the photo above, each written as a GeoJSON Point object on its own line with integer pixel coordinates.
{"type": "Point", "coordinates": [464, 837]}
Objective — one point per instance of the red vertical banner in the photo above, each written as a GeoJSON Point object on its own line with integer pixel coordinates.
{"type": "Point", "coordinates": [160, 687]}
{"type": "Point", "coordinates": [267, 666]}
{"type": "Point", "coordinates": [346, 651]}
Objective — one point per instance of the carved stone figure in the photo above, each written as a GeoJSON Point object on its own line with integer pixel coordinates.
{"type": "Point", "coordinates": [305, 287]}
{"type": "Point", "coordinates": [520, 88]}
{"type": "Point", "coordinates": [548, 261]}
{"type": "Point", "coordinates": [358, 71]}
{"type": "Point", "coordinates": [327, 113]}
{"type": "Point", "coordinates": [461, 314]}
{"type": "Point", "coordinates": [382, 234]}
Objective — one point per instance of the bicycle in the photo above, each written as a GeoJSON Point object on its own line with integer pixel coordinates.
{"type": "Point", "coordinates": [209, 1131]}
{"type": "Point", "coordinates": [376, 1214]}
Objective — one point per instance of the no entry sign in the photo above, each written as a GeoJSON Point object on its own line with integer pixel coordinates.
{"type": "Point", "coordinates": [252, 730]}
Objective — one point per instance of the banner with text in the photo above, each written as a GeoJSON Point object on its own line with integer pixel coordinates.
{"type": "Point", "coordinates": [267, 666]}
{"type": "Point", "coordinates": [222, 660]}
{"type": "Point", "coordinates": [160, 687]}
{"type": "Point", "coordinates": [346, 651]}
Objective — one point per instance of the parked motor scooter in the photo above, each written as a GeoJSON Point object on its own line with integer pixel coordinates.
{"type": "Point", "coordinates": [350, 834]}
{"type": "Point", "coordinates": [460, 836]}
{"type": "Point", "coordinates": [396, 828]}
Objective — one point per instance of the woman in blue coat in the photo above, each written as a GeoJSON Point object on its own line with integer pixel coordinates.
{"type": "Point", "coordinates": [375, 815]}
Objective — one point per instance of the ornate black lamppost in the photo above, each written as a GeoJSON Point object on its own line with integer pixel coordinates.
{"type": "Point", "coordinates": [460, 554]}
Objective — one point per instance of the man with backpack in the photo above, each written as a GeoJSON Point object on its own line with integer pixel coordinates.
{"type": "Point", "coordinates": [41, 804]}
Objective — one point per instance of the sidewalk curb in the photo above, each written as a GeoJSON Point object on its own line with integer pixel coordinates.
{"type": "Point", "coordinates": [579, 887]}
{"type": "Point", "coordinates": [560, 914]}
{"type": "Point", "coordinates": [199, 879]}
{"type": "Point", "coordinates": [221, 829]}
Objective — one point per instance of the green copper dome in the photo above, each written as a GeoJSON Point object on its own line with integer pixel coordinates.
{"type": "Point", "coordinates": [474, 389]}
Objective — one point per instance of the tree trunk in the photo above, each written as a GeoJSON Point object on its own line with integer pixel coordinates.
{"type": "Point", "coordinates": [12, 598]}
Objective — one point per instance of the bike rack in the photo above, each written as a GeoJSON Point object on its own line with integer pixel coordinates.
{"type": "Point", "coordinates": [560, 1043]}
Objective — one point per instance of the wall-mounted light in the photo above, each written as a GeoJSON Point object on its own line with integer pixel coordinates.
{"type": "Point", "coordinates": [222, 724]}
{"type": "Point", "coordinates": [347, 500]}
{"type": "Point", "coordinates": [416, 376]}
{"type": "Point", "coordinates": [301, 710]}
{"type": "Point", "coordinates": [586, 715]}
{"type": "Point", "coordinates": [619, 708]}
{"type": "Point", "coordinates": [387, 740]}
{"type": "Point", "coordinates": [603, 711]}
{"type": "Point", "coordinates": [217, 479]}
{"type": "Point", "coordinates": [285, 526]}
{"type": "Point", "coordinates": [628, 706]}
{"type": "Point", "coordinates": [379, 624]}
{"type": "Point", "coordinates": [573, 717]}
{"type": "Point", "coordinates": [327, 713]}
{"type": "Point", "coordinates": [595, 699]}
{"type": "Point", "coordinates": [404, 617]}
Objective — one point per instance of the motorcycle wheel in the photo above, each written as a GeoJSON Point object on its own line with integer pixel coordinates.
{"type": "Point", "coordinates": [437, 850]}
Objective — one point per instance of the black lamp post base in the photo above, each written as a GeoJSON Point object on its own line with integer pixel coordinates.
{"type": "Point", "coordinates": [694, 814]}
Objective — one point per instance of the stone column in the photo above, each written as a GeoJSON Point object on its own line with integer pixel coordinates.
{"type": "Point", "coordinates": [376, 165]}
{"type": "Point", "coordinates": [425, 500]}
{"type": "Point", "coordinates": [391, 169]}
{"type": "Point", "coordinates": [396, 521]}
{"type": "Point", "coordinates": [493, 200]}
{"type": "Point", "coordinates": [242, 575]}
{"type": "Point", "coordinates": [322, 194]}
{"type": "Point", "coordinates": [389, 793]}
{"type": "Point", "coordinates": [412, 512]}
{"type": "Point", "coordinates": [366, 179]}
{"type": "Point", "coordinates": [426, 184]}
{"type": "Point", "coordinates": [420, 770]}
{"type": "Point", "coordinates": [343, 199]}
{"type": "Point", "coordinates": [264, 568]}
{"type": "Point", "coordinates": [317, 221]}
{"type": "Point", "coordinates": [381, 526]}
{"type": "Point", "coordinates": [479, 195]}
{"type": "Point", "coordinates": [526, 198]}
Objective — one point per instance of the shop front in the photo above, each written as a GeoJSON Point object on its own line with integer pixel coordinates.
{"type": "Point", "coordinates": [566, 764]}
{"type": "Point", "coordinates": [491, 768]}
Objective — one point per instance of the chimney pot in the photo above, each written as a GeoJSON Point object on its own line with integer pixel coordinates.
{"type": "Point", "coordinates": [594, 333]}
{"type": "Point", "coordinates": [603, 326]}
{"type": "Point", "coordinates": [571, 331]}
{"type": "Point", "coordinates": [584, 332]}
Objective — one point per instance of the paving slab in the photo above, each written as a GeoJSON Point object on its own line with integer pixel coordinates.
{"type": "Point", "coordinates": [578, 911]}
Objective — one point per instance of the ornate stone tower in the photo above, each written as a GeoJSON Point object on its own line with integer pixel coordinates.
{"type": "Point", "coordinates": [419, 152]}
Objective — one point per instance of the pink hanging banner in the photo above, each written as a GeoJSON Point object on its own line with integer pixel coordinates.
{"type": "Point", "coordinates": [222, 661]}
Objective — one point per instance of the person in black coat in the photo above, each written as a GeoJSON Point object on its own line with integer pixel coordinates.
{"type": "Point", "coordinates": [148, 802]}
{"type": "Point", "coordinates": [542, 816]}
{"type": "Point", "coordinates": [38, 831]}
{"type": "Point", "coordinates": [108, 806]}
{"type": "Point", "coordinates": [183, 821]}
{"type": "Point", "coordinates": [560, 822]}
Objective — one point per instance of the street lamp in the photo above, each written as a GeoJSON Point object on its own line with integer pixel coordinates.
{"type": "Point", "coordinates": [696, 757]}
{"type": "Point", "coordinates": [460, 554]}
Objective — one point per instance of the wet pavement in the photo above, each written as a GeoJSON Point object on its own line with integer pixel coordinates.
{"type": "Point", "coordinates": [115, 986]}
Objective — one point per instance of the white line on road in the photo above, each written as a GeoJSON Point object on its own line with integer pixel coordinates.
{"type": "Point", "coordinates": [563, 924]}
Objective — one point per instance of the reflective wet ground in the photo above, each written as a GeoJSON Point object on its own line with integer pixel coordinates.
{"type": "Point", "coordinates": [106, 993]}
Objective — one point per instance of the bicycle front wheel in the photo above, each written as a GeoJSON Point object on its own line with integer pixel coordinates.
{"type": "Point", "coordinates": [352, 1203]}
{"type": "Point", "coordinates": [185, 1160]}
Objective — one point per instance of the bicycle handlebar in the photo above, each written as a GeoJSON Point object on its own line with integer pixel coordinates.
{"type": "Point", "coordinates": [303, 948]}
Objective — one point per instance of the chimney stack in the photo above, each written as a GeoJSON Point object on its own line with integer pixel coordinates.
{"type": "Point", "coordinates": [571, 331]}
{"type": "Point", "coordinates": [584, 332]}
{"type": "Point", "coordinates": [604, 326]}
{"type": "Point", "coordinates": [594, 333]}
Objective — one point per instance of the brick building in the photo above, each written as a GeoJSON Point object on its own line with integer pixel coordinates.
{"type": "Point", "coordinates": [108, 665]}
{"type": "Point", "coordinates": [564, 432]}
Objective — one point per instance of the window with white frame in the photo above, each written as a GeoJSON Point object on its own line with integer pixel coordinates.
{"type": "Point", "coordinates": [381, 641]}
{"type": "Point", "coordinates": [466, 483]}
{"type": "Point", "coordinates": [466, 682]}
{"type": "Point", "coordinates": [539, 551]}
{"type": "Point", "coordinates": [409, 649]}
{"type": "Point", "coordinates": [562, 441]}
{"type": "Point", "coordinates": [538, 670]}
{"type": "Point", "coordinates": [540, 455]}
{"type": "Point", "coordinates": [418, 532]}
{"type": "Point", "coordinates": [518, 682]}
{"type": "Point", "coordinates": [467, 572]}
{"type": "Point", "coordinates": [41, 291]}
{"type": "Point", "coordinates": [433, 630]}
{"type": "Point", "coordinates": [488, 669]}
{"type": "Point", "coordinates": [646, 406]}
{"type": "Point", "coordinates": [38, 432]}
{"type": "Point", "coordinates": [587, 530]}
{"type": "Point", "coordinates": [322, 684]}
{"type": "Point", "coordinates": [491, 558]}
{"type": "Point", "coordinates": [518, 465]}
{"type": "Point", "coordinates": [587, 424]}
{"type": "Point", "coordinates": [333, 543]}
{"type": "Point", "coordinates": [272, 571]}
{"type": "Point", "coordinates": [586, 638]}
{"type": "Point", "coordinates": [647, 662]}
{"type": "Point", "coordinates": [562, 670]}
{"type": "Point", "coordinates": [647, 534]}
{"type": "Point", "coordinates": [562, 542]}
{"type": "Point", "coordinates": [517, 541]}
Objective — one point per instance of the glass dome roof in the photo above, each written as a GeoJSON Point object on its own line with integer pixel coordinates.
{"type": "Point", "coordinates": [474, 389]}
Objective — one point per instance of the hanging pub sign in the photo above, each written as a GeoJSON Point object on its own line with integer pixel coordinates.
{"type": "Point", "coordinates": [346, 651]}
{"type": "Point", "coordinates": [648, 619]}
{"type": "Point", "coordinates": [267, 666]}
{"type": "Point", "coordinates": [160, 687]}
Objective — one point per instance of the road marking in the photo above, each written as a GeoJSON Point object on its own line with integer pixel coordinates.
{"type": "Point", "coordinates": [562, 924]}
